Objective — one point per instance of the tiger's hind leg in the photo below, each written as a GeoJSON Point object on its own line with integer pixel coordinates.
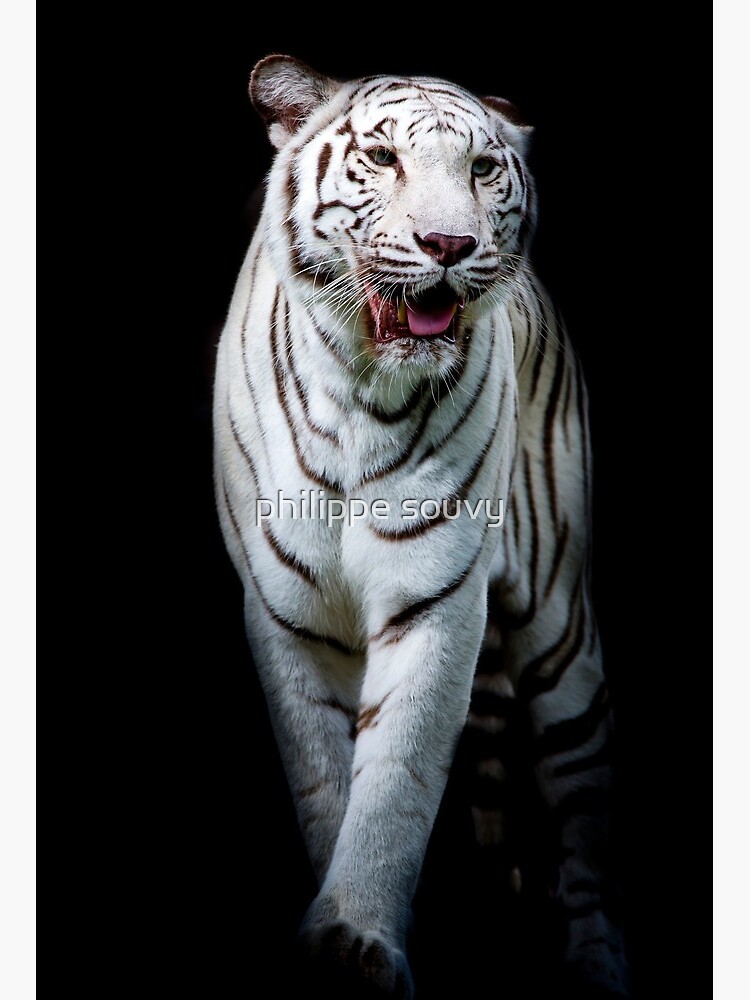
{"type": "Point", "coordinates": [492, 765]}
{"type": "Point", "coordinates": [489, 744]}
{"type": "Point", "coordinates": [570, 748]}
{"type": "Point", "coordinates": [554, 658]}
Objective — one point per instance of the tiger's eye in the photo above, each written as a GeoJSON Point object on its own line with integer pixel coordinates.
{"type": "Point", "coordinates": [382, 156]}
{"type": "Point", "coordinates": [482, 166]}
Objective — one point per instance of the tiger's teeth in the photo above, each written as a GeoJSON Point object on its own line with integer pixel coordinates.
{"type": "Point", "coordinates": [402, 310]}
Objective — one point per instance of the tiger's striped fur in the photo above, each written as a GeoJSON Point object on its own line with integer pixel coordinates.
{"type": "Point", "coordinates": [367, 635]}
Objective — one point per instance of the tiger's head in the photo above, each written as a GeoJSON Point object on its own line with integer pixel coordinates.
{"type": "Point", "coordinates": [402, 205]}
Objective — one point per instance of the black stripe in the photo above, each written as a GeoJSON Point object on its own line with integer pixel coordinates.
{"type": "Point", "coordinates": [286, 557]}
{"type": "Point", "coordinates": [345, 128]}
{"type": "Point", "coordinates": [403, 457]}
{"type": "Point", "coordinates": [481, 744]}
{"type": "Point", "coordinates": [525, 229]}
{"type": "Point", "coordinates": [602, 757]}
{"type": "Point", "coordinates": [506, 543]}
{"type": "Point", "coordinates": [491, 661]}
{"type": "Point", "coordinates": [323, 432]}
{"type": "Point", "coordinates": [402, 84]}
{"type": "Point", "coordinates": [476, 270]}
{"type": "Point", "coordinates": [582, 417]}
{"type": "Point", "coordinates": [534, 561]}
{"type": "Point", "coordinates": [394, 267]}
{"type": "Point", "coordinates": [566, 407]}
{"type": "Point", "coordinates": [585, 910]}
{"type": "Point", "coordinates": [245, 364]}
{"type": "Point", "coordinates": [369, 717]}
{"type": "Point", "coordinates": [464, 416]}
{"type": "Point", "coordinates": [297, 630]}
{"type": "Point", "coordinates": [516, 527]}
{"type": "Point", "coordinates": [513, 210]}
{"type": "Point", "coordinates": [505, 172]}
{"type": "Point", "coordinates": [459, 99]}
{"type": "Point", "coordinates": [402, 622]}
{"type": "Point", "coordinates": [392, 245]}
{"type": "Point", "coordinates": [384, 417]}
{"type": "Point", "coordinates": [415, 125]}
{"type": "Point", "coordinates": [537, 685]}
{"type": "Point", "coordinates": [324, 160]}
{"type": "Point", "coordinates": [292, 193]}
{"type": "Point", "coordinates": [421, 527]}
{"type": "Point", "coordinates": [550, 414]}
{"type": "Point", "coordinates": [243, 450]}
{"type": "Point", "coordinates": [518, 620]}
{"type": "Point", "coordinates": [324, 206]}
{"type": "Point", "coordinates": [378, 127]}
{"type": "Point", "coordinates": [519, 170]}
{"type": "Point", "coordinates": [529, 679]}
{"type": "Point", "coordinates": [583, 885]}
{"type": "Point", "coordinates": [443, 126]}
{"type": "Point", "coordinates": [373, 90]}
{"type": "Point", "coordinates": [568, 734]}
{"type": "Point", "coordinates": [539, 359]}
{"type": "Point", "coordinates": [290, 560]}
{"type": "Point", "coordinates": [317, 477]}
{"type": "Point", "coordinates": [328, 342]}
{"type": "Point", "coordinates": [560, 545]}
{"type": "Point", "coordinates": [332, 703]}
{"type": "Point", "coordinates": [489, 703]}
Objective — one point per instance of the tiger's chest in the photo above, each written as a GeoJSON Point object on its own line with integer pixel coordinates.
{"type": "Point", "coordinates": [346, 560]}
{"type": "Point", "coordinates": [340, 489]}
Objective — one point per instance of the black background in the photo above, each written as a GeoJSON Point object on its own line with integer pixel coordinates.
{"type": "Point", "coordinates": [618, 237]}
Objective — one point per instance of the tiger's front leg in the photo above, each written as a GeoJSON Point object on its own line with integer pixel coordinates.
{"type": "Point", "coordinates": [415, 699]}
{"type": "Point", "coordinates": [311, 690]}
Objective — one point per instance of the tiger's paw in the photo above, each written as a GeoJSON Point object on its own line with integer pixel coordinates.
{"type": "Point", "coordinates": [596, 973]}
{"type": "Point", "coordinates": [350, 962]}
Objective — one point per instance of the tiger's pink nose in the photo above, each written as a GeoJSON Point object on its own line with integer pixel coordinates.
{"type": "Point", "coordinates": [447, 250]}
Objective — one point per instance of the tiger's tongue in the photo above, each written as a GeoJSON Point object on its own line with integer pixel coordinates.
{"type": "Point", "coordinates": [430, 322]}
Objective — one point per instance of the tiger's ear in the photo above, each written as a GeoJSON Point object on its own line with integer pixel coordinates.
{"type": "Point", "coordinates": [513, 127]}
{"type": "Point", "coordinates": [285, 92]}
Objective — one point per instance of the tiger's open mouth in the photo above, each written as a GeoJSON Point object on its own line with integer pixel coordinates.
{"type": "Point", "coordinates": [431, 314]}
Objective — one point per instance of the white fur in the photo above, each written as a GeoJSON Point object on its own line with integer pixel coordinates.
{"type": "Point", "coordinates": [367, 806]}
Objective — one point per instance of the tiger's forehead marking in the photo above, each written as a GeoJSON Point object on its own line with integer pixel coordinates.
{"type": "Point", "coordinates": [416, 107]}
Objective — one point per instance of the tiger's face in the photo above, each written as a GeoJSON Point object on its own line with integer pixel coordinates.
{"type": "Point", "coordinates": [402, 204]}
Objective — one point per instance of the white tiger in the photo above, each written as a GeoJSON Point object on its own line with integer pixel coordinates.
{"type": "Point", "coordinates": [388, 340]}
